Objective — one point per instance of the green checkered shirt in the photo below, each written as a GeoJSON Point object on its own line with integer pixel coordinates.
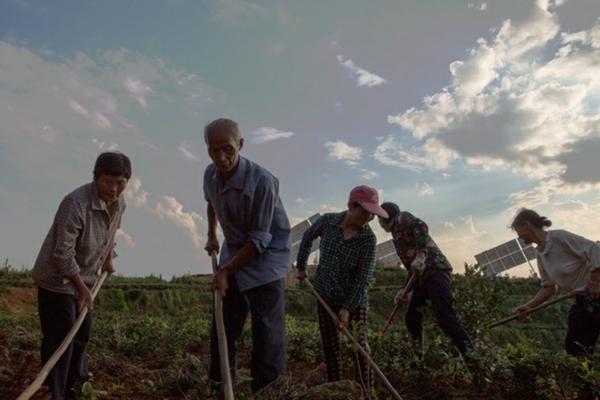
{"type": "Point", "coordinates": [345, 265]}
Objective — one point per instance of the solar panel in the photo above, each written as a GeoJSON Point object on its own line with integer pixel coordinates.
{"type": "Point", "coordinates": [298, 231]}
{"type": "Point", "coordinates": [385, 249]}
{"type": "Point", "coordinates": [505, 256]}
{"type": "Point", "coordinates": [386, 253]}
{"type": "Point", "coordinates": [296, 236]}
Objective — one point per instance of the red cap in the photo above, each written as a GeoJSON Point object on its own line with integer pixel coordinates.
{"type": "Point", "coordinates": [368, 198]}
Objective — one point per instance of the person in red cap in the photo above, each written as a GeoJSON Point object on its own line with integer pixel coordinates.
{"type": "Point", "coordinates": [347, 258]}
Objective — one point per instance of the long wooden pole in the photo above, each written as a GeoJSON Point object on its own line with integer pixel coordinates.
{"type": "Point", "coordinates": [405, 292]}
{"type": "Point", "coordinates": [360, 349]}
{"type": "Point", "coordinates": [222, 338]}
{"type": "Point", "coordinates": [39, 380]}
{"type": "Point", "coordinates": [534, 309]}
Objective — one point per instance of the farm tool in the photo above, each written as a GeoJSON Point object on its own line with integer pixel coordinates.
{"type": "Point", "coordinates": [39, 379]}
{"type": "Point", "coordinates": [222, 338]}
{"type": "Point", "coordinates": [347, 333]}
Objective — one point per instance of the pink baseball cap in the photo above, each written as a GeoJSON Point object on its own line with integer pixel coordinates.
{"type": "Point", "coordinates": [368, 198]}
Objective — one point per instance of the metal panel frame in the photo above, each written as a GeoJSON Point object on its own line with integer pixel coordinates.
{"type": "Point", "coordinates": [505, 256]}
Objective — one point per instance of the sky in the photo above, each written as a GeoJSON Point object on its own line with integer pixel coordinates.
{"type": "Point", "coordinates": [461, 112]}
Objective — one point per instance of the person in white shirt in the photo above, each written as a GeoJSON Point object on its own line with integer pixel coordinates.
{"type": "Point", "coordinates": [567, 262]}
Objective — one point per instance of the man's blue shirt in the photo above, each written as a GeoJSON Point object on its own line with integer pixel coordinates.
{"type": "Point", "coordinates": [249, 209]}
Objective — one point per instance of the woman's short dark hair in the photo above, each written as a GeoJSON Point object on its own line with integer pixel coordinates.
{"type": "Point", "coordinates": [392, 209]}
{"type": "Point", "coordinates": [112, 163]}
{"type": "Point", "coordinates": [526, 215]}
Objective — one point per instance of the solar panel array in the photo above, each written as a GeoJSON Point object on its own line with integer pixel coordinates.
{"type": "Point", "coordinates": [297, 233]}
{"type": "Point", "coordinates": [505, 256]}
{"type": "Point", "coordinates": [386, 253]}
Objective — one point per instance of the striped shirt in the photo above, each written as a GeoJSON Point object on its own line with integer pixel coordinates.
{"type": "Point", "coordinates": [345, 265]}
{"type": "Point", "coordinates": [79, 240]}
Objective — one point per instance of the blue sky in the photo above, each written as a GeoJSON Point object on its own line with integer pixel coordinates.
{"type": "Point", "coordinates": [459, 111]}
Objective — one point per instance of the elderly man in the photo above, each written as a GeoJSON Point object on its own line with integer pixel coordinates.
{"type": "Point", "coordinates": [78, 246]}
{"type": "Point", "coordinates": [243, 198]}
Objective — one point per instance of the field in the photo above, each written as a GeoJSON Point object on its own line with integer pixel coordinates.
{"type": "Point", "coordinates": [150, 341]}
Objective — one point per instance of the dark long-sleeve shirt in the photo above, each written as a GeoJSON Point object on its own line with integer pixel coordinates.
{"type": "Point", "coordinates": [411, 236]}
{"type": "Point", "coordinates": [345, 265]}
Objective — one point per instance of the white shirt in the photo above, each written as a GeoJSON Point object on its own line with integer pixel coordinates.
{"type": "Point", "coordinates": [567, 260]}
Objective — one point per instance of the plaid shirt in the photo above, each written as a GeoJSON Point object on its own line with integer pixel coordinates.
{"type": "Point", "coordinates": [411, 236]}
{"type": "Point", "coordinates": [79, 240]}
{"type": "Point", "coordinates": [345, 265]}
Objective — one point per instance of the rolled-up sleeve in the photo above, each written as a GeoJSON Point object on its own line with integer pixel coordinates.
{"type": "Point", "coordinates": [545, 279]}
{"type": "Point", "coordinates": [309, 235]}
{"type": "Point", "coordinates": [68, 224]}
{"type": "Point", "coordinates": [263, 209]}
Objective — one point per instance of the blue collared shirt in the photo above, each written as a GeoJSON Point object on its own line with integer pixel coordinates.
{"type": "Point", "coordinates": [249, 209]}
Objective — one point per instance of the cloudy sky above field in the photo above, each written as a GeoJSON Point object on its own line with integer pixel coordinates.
{"type": "Point", "coordinates": [460, 111]}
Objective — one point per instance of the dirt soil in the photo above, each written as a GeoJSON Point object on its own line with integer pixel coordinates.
{"type": "Point", "coordinates": [19, 301]}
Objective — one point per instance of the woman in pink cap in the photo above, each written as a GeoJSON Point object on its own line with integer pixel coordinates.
{"type": "Point", "coordinates": [347, 259]}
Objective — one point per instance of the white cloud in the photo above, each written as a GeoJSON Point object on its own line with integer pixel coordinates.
{"type": "Point", "coordinates": [49, 134]}
{"type": "Point", "coordinates": [352, 157]}
{"type": "Point", "coordinates": [126, 238]}
{"type": "Point", "coordinates": [580, 217]}
{"type": "Point", "coordinates": [363, 77]}
{"type": "Point", "coordinates": [448, 225]}
{"type": "Point", "coordinates": [481, 7]}
{"type": "Point", "coordinates": [138, 89]}
{"type": "Point", "coordinates": [329, 208]}
{"type": "Point", "coordinates": [105, 146]}
{"type": "Point", "coordinates": [267, 134]}
{"type": "Point", "coordinates": [102, 121]}
{"type": "Point", "coordinates": [134, 193]}
{"type": "Point", "coordinates": [169, 209]}
{"type": "Point", "coordinates": [521, 101]}
{"type": "Point", "coordinates": [431, 155]}
{"type": "Point", "coordinates": [367, 174]}
{"type": "Point", "coordinates": [424, 189]}
{"type": "Point", "coordinates": [78, 108]}
{"type": "Point", "coordinates": [340, 150]}
{"type": "Point", "coordinates": [184, 149]}
{"type": "Point", "coordinates": [460, 240]}
{"type": "Point", "coordinates": [301, 201]}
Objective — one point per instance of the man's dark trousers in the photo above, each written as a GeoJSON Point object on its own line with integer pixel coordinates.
{"type": "Point", "coordinates": [436, 287]}
{"type": "Point", "coordinates": [58, 313]}
{"type": "Point", "coordinates": [267, 309]}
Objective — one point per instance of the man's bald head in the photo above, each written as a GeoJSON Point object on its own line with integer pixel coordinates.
{"type": "Point", "coordinates": [222, 126]}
